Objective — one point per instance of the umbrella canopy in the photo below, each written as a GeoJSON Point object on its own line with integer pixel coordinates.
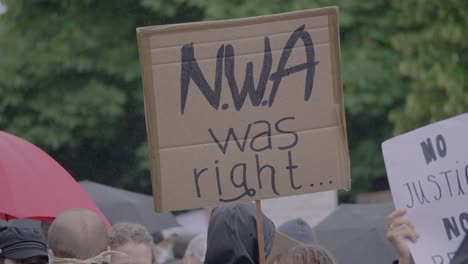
{"type": "Point", "coordinates": [33, 185]}
{"type": "Point", "coordinates": [356, 233]}
{"type": "Point", "coordinates": [124, 206]}
{"type": "Point", "coordinates": [299, 230]}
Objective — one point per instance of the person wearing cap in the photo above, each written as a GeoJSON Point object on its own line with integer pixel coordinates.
{"type": "Point", "coordinates": [232, 236]}
{"type": "Point", "coordinates": [22, 245]}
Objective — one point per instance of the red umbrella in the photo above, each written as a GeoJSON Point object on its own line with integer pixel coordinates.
{"type": "Point", "coordinates": [33, 185]}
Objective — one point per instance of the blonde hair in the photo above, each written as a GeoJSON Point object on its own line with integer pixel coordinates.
{"type": "Point", "coordinates": [305, 255]}
{"type": "Point", "coordinates": [124, 233]}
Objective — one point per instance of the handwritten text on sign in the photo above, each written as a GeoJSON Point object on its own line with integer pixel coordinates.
{"type": "Point", "coordinates": [238, 173]}
{"type": "Point", "coordinates": [428, 174]}
{"type": "Point", "coordinates": [244, 109]}
{"type": "Point", "coordinates": [191, 71]}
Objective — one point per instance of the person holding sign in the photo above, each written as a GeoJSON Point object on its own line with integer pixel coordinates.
{"type": "Point", "coordinates": [427, 171]}
{"type": "Point", "coordinates": [232, 235]}
{"type": "Point", "coordinates": [232, 239]}
{"type": "Point", "coordinates": [399, 232]}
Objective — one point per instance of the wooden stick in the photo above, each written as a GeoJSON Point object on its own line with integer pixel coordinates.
{"type": "Point", "coordinates": [261, 242]}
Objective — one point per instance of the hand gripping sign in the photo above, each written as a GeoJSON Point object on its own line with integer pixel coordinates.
{"type": "Point", "coordinates": [428, 174]}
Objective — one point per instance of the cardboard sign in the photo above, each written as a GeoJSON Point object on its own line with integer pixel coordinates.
{"type": "Point", "coordinates": [428, 174]}
{"type": "Point", "coordinates": [244, 109]}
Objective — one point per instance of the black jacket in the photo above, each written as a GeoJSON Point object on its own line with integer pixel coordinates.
{"type": "Point", "coordinates": [232, 235]}
{"type": "Point", "coordinates": [461, 256]}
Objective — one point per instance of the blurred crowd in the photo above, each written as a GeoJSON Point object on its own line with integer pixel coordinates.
{"type": "Point", "coordinates": [80, 236]}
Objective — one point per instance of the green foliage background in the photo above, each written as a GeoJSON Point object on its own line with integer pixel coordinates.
{"type": "Point", "coordinates": [70, 76]}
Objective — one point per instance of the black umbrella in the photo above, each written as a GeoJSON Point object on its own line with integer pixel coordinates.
{"type": "Point", "coordinates": [299, 230]}
{"type": "Point", "coordinates": [356, 233]}
{"type": "Point", "coordinates": [124, 206]}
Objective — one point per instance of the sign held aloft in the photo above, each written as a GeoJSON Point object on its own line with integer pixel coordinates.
{"type": "Point", "coordinates": [244, 109]}
{"type": "Point", "coordinates": [428, 174]}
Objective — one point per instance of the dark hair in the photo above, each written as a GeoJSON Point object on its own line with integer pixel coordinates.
{"type": "Point", "coordinates": [35, 260]}
{"type": "Point", "coordinates": [304, 255]}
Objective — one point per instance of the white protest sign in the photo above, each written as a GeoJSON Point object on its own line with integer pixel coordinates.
{"type": "Point", "coordinates": [428, 174]}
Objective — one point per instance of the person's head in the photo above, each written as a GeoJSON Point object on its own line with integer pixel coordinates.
{"type": "Point", "coordinates": [22, 246]}
{"type": "Point", "coordinates": [77, 233]}
{"type": "Point", "coordinates": [304, 255]}
{"type": "Point", "coordinates": [134, 240]}
{"type": "Point", "coordinates": [232, 235]}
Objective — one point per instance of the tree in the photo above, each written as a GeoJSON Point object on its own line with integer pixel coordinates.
{"type": "Point", "coordinates": [372, 88]}
{"type": "Point", "coordinates": [70, 81]}
{"type": "Point", "coordinates": [433, 45]}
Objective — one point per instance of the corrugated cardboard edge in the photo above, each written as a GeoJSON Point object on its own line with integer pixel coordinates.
{"type": "Point", "coordinates": [147, 31]}
{"type": "Point", "coordinates": [150, 112]}
{"type": "Point", "coordinates": [334, 30]}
